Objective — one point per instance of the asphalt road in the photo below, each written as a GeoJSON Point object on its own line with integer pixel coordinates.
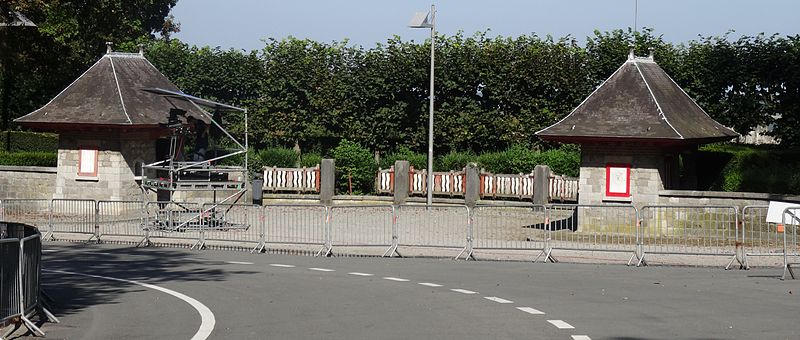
{"type": "Point", "coordinates": [269, 296]}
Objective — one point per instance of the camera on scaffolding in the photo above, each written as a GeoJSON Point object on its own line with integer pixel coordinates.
{"type": "Point", "coordinates": [173, 122]}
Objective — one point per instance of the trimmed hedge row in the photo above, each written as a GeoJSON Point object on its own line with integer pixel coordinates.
{"type": "Point", "coordinates": [749, 168]}
{"type": "Point", "coordinates": [29, 158]}
{"type": "Point", "coordinates": [14, 141]}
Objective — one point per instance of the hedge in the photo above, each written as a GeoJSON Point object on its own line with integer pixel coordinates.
{"type": "Point", "coordinates": [13, 141]}
{"type": "Point", "coordinates": [29, 158]}
{"type": "Point", "coordinates": [749, 168]}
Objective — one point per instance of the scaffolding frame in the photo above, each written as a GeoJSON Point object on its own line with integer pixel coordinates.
{"type": "Point", "coordinates": [174, 175]}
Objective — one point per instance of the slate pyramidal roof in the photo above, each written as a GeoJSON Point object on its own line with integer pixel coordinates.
{"type": "Point", "coordinates": [638, 103]}
{"type": "Point", "coordinates": [112, 93]}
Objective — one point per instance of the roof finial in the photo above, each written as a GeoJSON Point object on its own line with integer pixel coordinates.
{"type": "Point", "coordinates": [141, 50]}
{"type": "Point", "coordinates": [631, 56]}
{"type": "Point", "coordinates": [650, 56]}
{"type": "Point", "coordinates": [108, 47]}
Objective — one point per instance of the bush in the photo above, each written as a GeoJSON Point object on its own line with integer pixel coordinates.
{"type": "Point", "coordinates": [415, 159]}
{"type": "Point", "coordinates": [277, 157]}
{"type": "Point", "coordinates": [455, 160]}
{"type": "Point", "coordinates": [566, 160]}
{"type": "Point", "coordinates": [28, 141]}
{"type": "Point", "coordinates": [354, 160]}
{"type": "Point", "coordinates": [29, 158]}
{"type": "Point", "coordinates": [310, 159]}
{"type": "Point", "coordinates": [750, 168]}
{"type": "Point", "coordinates": [516, 159]}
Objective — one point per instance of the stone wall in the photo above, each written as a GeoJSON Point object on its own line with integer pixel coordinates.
{"type": "Point", "coordinates": [647, 173]}
{"type": "Point", "coordinates": [27, 182]}
{"type": "Point", "coordinates": [739, 199]}
{"type": "Point", "coordinates": [119, 156]}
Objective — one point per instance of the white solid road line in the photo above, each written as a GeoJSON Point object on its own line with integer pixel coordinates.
{"type": "Point", "coordinates": [321, 269]}
{"type": "Point", "coordinates": [581, 337]}
{"type": "Point", "coordinates": [497, 299]}
{"type": "Point", "coordinates": [560, 324]}
{"type": "Point", "coordinates": [360, 274]}
{"type": "Point", "coordinates": [238, 262]}
{"type": "Point", "coordinates": [207, 320]}
{"type": "Point", "coordinates": [463, 291]}
{"type": "Point", "coordinates": [281, 265]}
{"type": "Point", "coordinates": [395, 279]}
{"type": "Point", "coordinates": [428, 284]}
{"type": "Point", "coordinates": [530, 310]}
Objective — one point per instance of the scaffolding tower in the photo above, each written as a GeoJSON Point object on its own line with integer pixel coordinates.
{"type": "Point", "coordinates": [227, 184]}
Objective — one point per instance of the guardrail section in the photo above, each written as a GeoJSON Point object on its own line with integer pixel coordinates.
{"type": "Point", "coordinates": [435, 226]}
{"type": "Point", "coordinates": [295, 227]}
{"type": "Point", "coordinates": [596, 228]}
{"type": "Point", "coordinates": [515, 227]}
{"type": "Point", "coordinates": [359, 229]}
{"type": "Point", "coordinates": [690, 230]}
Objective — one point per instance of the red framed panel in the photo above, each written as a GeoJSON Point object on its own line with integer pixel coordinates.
{"type": "Point", "coordinates": [618, 180]}
{"type": "Point", "coordinates": [87, 161]}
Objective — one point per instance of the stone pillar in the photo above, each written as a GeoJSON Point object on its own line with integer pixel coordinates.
{"type": "Point", "coordinates": [541, 184]}
{"type": "Point", "coordinates": [327, 181]}
{"type": "Point", "coordinates": [401, 184]}
{"type": "Point", "coordinates": [472, 185]}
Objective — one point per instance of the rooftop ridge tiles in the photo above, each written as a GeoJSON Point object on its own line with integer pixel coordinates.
{"type": "Point", "coordinates": [658, 106]}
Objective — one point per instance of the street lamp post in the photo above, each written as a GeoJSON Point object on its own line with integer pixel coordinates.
{"type": "Point", "coordinates": [427, 20]}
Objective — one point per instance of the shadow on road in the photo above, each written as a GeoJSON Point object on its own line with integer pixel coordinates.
{"type": "Point", "coordinates": [74, 293]}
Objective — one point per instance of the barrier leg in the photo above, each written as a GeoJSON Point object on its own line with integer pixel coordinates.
{"type": "Point", "coordinates": [393, 248]}
{"type": "Point", "coordinates": [261, 247]}
{"type": "Point", "coordinates": [201, 242]}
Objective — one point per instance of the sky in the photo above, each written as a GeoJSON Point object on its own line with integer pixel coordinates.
{"type": "Point", "coordinates": [244, 24]}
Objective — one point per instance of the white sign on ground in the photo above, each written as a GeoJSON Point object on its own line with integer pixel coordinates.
{"type": "Point", "coordinates": [776, 209]}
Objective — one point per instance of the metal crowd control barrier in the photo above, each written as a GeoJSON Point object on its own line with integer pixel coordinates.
{"type": "Point", "coordinates": [177, 221]}
{"type": "Point", "coordinates": [596, 228]}
{"type": "Point", "coordinates": [120, 219]}
{"type": "Point", "coordinates": [513, 227]}
{"type": "Point", "coordinates": [73, 216]}
{"type": "Point", "coordinates": [690, 230]}
{"type": "Point", "coordinates": [34, 212]}
{"type": "Point", "coordinates": [437, 226]}
{"type": "Point", "coordinates": [760, 238]}
{"type": "Point", "coordinates": [295, 227]}
{"type": "Point", "coordinates": [20, 273]}
{"type": "Point", "coordinates": [358, 228]}
{"type": "Point", "coordinates": [9, 287]}
{"type": "Point", "coordinates": [236, 223]}
{"type": "Point", "coordinates": [790, 219]}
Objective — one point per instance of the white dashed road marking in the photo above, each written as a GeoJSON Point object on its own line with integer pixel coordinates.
{"type": "Point", "coordinates": [361, 274]}
{"type": "Point", "coordinates": [238, 262]}
{"type": "Point", "coordinates": [395, 279]}
{"type": "Point", "coordinates": [530, 310]}
{"type": "Point", "coordinates": [497, 299]}
{"type": "Point", "coordinates": [560, 324]}
{"type": "Point", "coordinates": [581, 337]}
{"type": "Point", "coordinates": [281, 265]}
{"type": "Point", "coordinates": [428, 284]}
{"type": "Point", "coordinates": [321, 269]}
{"type": "Point", "coordinates": [207, 320]}
{"type": "Point", "coordinates": [463, 291]}
{"type": "Point", "coordinates": [49, 250]}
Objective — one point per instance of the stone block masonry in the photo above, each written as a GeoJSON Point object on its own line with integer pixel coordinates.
{"type": "Point", "coordinates": [31, 182]}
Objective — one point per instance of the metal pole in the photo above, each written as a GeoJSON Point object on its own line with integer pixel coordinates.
{"type": "Point", "coordinates": [430, 114]}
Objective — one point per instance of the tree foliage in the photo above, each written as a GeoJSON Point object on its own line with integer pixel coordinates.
{"type": "Point", "coordinates": [491, 93]}
{"type": "Point", "coordinates": [38, 62]}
